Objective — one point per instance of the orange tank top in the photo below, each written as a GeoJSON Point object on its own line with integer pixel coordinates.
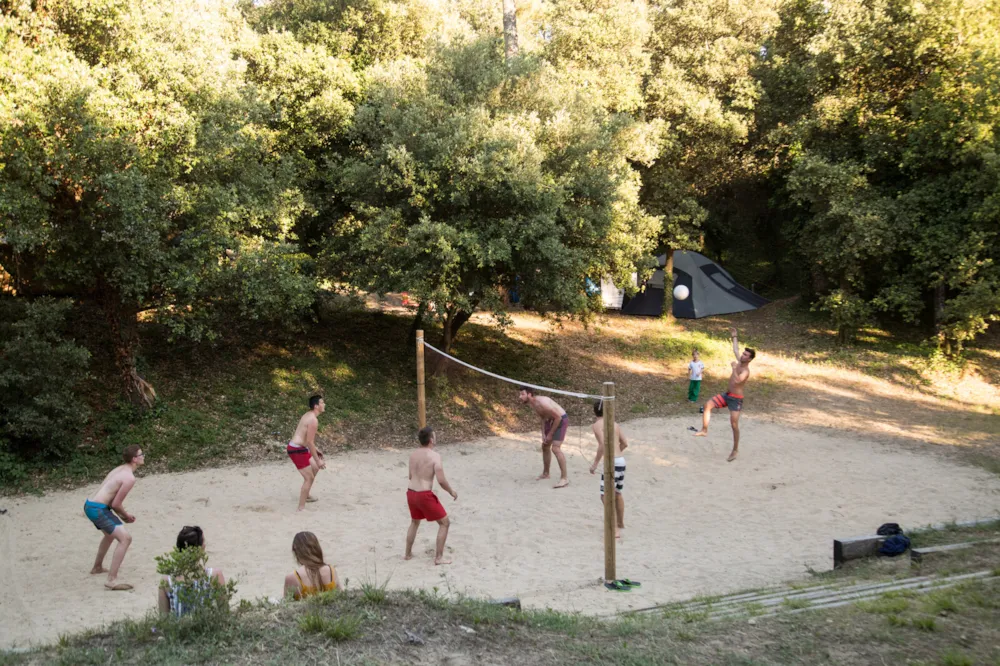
{"type": "Point", "coordinates": [308, 590]}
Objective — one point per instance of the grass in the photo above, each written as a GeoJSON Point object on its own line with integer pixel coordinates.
{"type": "Point", "coordinates": [422, 627]}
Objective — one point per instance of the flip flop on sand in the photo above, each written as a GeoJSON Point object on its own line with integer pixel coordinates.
{"type": "Point", "coordinates": [692, 429]}
{"type": "Point", "coordinates": [629, 583]}
{"type": "Point", "coordinates": [117, 587]}
{"type": "Point", "coordinates": [617, 586]}
{"type": "Point", "coordinates": [311, 499]}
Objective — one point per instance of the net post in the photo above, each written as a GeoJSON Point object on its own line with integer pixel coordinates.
{"type": "Point", "coordinates": [610, 518]}
{"type": "Point", "coordinates": [421, 398]}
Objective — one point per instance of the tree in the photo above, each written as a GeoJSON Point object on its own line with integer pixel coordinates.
{"type": "Point", "coordinates": [136, 169]}
{"type": "Point", "coordinates": [467, 176]}
{"type": "Point", "coordinates": [883, 116]}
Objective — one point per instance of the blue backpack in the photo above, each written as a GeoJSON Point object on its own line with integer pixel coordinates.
{"type": "Point", "coordinates": [897, 544]}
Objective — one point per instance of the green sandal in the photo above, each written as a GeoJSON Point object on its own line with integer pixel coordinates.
{"type": "Point", "coordinates": [629, 583]}
{"type": "Point", "coordinates": [617, 586]}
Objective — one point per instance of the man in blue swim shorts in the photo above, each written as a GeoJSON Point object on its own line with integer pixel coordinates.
{"type": "Point", "coordinates": [102, 510]}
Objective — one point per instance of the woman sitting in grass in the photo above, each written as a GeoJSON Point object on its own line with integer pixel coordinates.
{"type": "Point", "coordinates": [314, 575]}
{"type": "Point", "coordinates": [173, 596]}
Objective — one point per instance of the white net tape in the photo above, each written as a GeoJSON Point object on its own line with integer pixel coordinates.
{"type": "Point", "coordinates": [515, 381]}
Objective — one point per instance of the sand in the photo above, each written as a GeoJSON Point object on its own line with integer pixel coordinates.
{"type": "Point", "coordinates": [694, 523]}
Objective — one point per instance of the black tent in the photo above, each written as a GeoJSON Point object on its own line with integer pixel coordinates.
{"type": "Point", "coordinates": [713, 291]}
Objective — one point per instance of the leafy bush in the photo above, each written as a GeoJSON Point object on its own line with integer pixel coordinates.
{"type": "Point", "coordinates": [41, 413]}
{"type": "Point", "coordinates": [207, 600]}
{"type": "Point", "coordinates": [848, 312]}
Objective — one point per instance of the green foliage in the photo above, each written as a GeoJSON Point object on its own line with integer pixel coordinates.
{"type": "Point", "coordinates": [137, 169]}
{"type": "Point", "coordinates": [204, 599]}
{"type": "Point", "coordinates": [469, 176]}
{"type": "Point", "coordinates": [341, 628]}
{"type": "Point", "coordinates": [879, 119]}
{"type": "Point", "coordinates": [41, 414]}
{"type": "Point", "coordinates": [848, 312]}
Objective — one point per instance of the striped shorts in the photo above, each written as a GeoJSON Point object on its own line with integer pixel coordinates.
{"type": "Point", "coordinates": [619, 475]}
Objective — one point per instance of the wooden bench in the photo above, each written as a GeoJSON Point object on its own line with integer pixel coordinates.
{"type": "Point", "coordinates": [855, 548]}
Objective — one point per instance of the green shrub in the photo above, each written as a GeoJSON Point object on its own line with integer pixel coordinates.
{"type": "Point", "coordinates": [207, 600]}
{"type": "Point", "coordinates": [41, 414]}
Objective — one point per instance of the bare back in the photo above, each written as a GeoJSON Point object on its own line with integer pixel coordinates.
{"type": "Point", "coordinates": [738, 379]}
{"type": "Point", "coordinates": [423, 463]}
{"type": "Point", "coordinates": [598, 429]}
{"type": "Point", "coordinates": [112, 484]}
{"type": "Point", "coordinates": [547, 408]}
{"type": "Point", "coordinates": [305, 431]}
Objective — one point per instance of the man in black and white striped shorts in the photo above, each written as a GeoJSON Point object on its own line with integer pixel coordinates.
{"type": "Point", "coordinates": [620, 445]}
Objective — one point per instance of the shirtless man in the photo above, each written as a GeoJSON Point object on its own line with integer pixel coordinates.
{"type": "Point", "coordinates": [425, 466]}
{"type": "Point", "coordinates": [555, 423]}
{"type": "Point", "coordinates": [620, 445]}
{"type": "Point", "coordinates": [302, 449]}
{"type": "Point", "coordinates": [733, 398]}
{"type": "Point", "coordinates": [102, 509]}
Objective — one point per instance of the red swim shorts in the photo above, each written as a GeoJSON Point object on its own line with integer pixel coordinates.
{"type": "Point", "coordinates": [424, 505]}
{"type": "Point", "coordinates": [300, 455]}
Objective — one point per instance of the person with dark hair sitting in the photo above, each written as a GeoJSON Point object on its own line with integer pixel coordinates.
{"type": "Point", "coordinates": [169, 596]}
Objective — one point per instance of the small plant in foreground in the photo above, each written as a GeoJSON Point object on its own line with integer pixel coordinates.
{"type": "Point", "coordinates": [925, 623]}
{"type": "Point", "coordinates": [312, 623]}
{"type": "Point", "coordinates": [952, 658]}
{"type": "Point", "coordinates": [343, 628]}
{"type": "Point", "coordinates": [198, 593]}
{"type": "Point", "coordinates": [795, 603]}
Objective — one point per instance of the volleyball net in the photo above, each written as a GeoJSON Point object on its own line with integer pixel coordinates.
{"type": "Point", "coordinates": [579, 411]}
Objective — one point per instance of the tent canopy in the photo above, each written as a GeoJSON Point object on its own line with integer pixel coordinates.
{"type": "Point", "coordinates": [713, 291]}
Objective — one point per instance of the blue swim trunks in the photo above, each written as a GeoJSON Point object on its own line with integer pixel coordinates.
{"type": "Point", "coordinates": [102, 516]}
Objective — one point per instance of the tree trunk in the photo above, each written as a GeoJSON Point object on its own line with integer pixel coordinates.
{"type": "Point", "coordinates": [668, 286]}
{"type": "Point", "coordinates": [123, 327]}
{"type": "Point", "coordinates": [456, 323]}
{"type": "Point", "coordinates": [509, 29]}
{"type": "Point", "coordinates": [418, 321]}
{"type": "Point", "coordinates": [944, 342]}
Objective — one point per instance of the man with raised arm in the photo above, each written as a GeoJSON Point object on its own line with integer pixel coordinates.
{"type": "Point", "coordinates": [425, 466]}
{"type": "Point", "coordinates": [620, 444]}
{"type": "Point", "coordinates": [733, 398]}
{"type": "Point", "coordinates": [555, 423]}
{"type": "Point", "coordinates": [302, 449]}
{"type": "Point", "coordinates": [102, 510]}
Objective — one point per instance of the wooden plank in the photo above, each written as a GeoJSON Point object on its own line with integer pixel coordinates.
{"type": "Point", "coordinates": [918, 554]}
{"type": "Point", "coordinates": [855, 548]}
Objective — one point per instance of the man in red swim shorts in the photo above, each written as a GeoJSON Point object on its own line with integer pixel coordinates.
{"type": "Point", "coordinates": [302, 448]}
{"type": "Point", "coordinates": [425, 466]}
{"type": "Point", "coordinates": [733, 398]}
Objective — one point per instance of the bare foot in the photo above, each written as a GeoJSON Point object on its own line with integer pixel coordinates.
{"type": "Point", "coordinates": [97, 570]}
{"type": "Point", "coordinates": [112, 586]}
{"type": "Point", "coordinates": [408, 556]}
{"type": "Point", "coordinates": [562, 483]}
{"type": "Point", "coordinates": [543, 475]}
{"type": "Point", "coordinates": [311, 499]}
{"type": "Point", "coordinates": [442, 560]}
{"type": "Point", "coordinates": [701, 433]}
{"type": "Point", "coordinates": [732, 456]}
{"type": "Point", "coordinates": [301, 508]}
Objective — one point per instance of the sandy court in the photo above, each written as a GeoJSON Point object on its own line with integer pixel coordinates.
{"type": "Point", "coordinates": [695, 524]}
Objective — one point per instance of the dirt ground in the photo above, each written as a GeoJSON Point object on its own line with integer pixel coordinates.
{"type": "Point", "coordinates": [695, 524]}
